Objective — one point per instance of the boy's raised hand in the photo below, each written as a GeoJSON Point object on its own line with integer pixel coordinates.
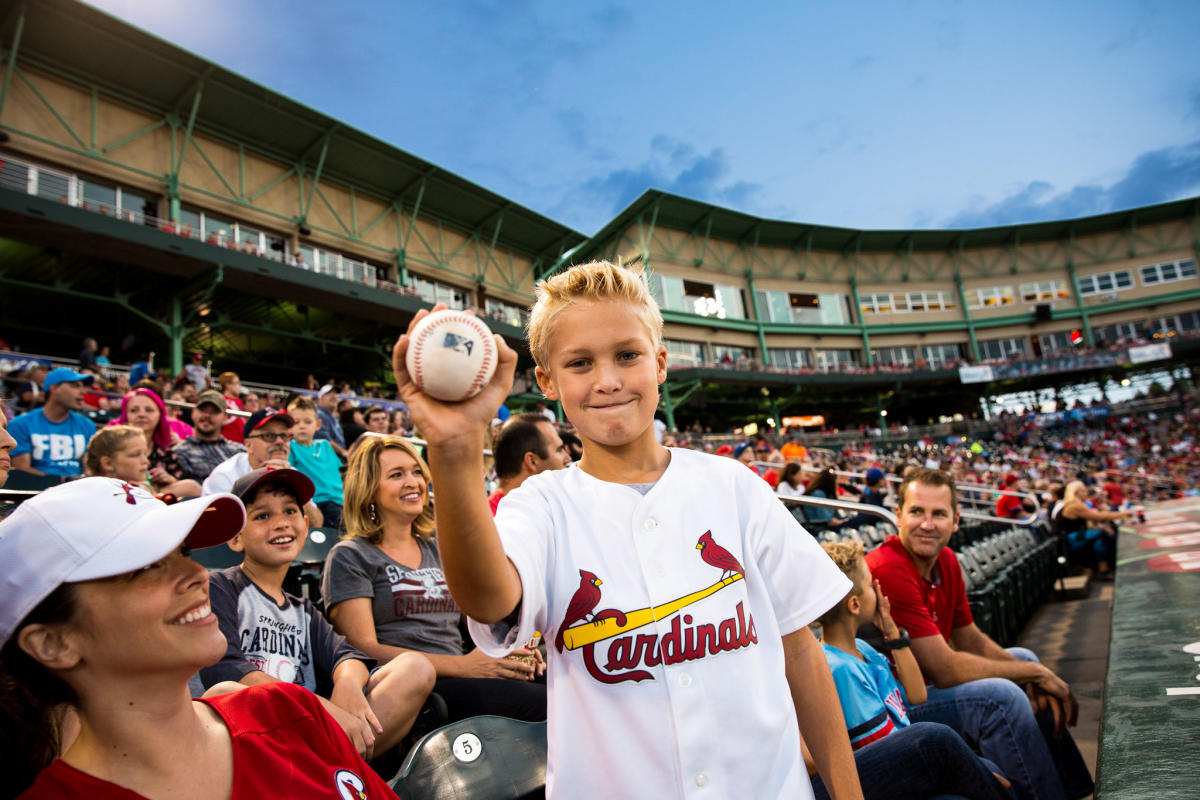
{"type": "Point", "coordinates": [440, 422]}
{"type": "Point", "coordinates": [883, 613]}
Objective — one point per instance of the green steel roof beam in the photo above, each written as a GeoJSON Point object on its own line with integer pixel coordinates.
{"type": "Point", "coordinates": [1082, 310]}
{"type": "Point", "coordinates": [754, 229]}
{"type": "Point", "coordinates": [758, 325]}
{"type": "Point", "coordinates": [805, 256]}
{"type": "Point", "coordinates": [648, 237]}
{"type": "Point", "coordinates": [707, 222]}
{"type": "Point", "coordinates": [117, 298]}
{"type": "Point", "coordinates": [209, 283]}
{"type": "Point", "coordinates": [50, 107]}
{"type": "Point", "coordinates": [306, 336]}
{"type": "Point", "coordinates": [323, 143]}
{"type": "Point", "coordinates": [862, 327]}
{"type": "Point", "coordinates": [412, 222]}
{"type": "Point", "coordinates": [482, 260]}
{"type": "Point", "coordinates": [191, 124]}
{"type": "Point", "coordinates": [962, 300]}
{"type": "Point", "coordinates": [12, 53]}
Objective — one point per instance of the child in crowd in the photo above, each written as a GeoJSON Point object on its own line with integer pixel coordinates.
{"type": "Point", "coordinates": [316, 459]}
{"type": "Point", "coordinates": [275, 636]}
{"type": "Point", "coordinates": [119, 451]}
{"type": "Point", "coordinates": [668, 672]}
{"type": "Point", "coordinates": [874, 702]}
{"type": "Point", "coordinates": [110, 616]}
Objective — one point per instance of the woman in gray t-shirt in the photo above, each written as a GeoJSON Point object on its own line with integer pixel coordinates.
{"type": "Point", "coordinates": [384, 590]}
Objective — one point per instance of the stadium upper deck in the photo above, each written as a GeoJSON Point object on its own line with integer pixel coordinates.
{"type": "Point", "coordinates": [147, 189]}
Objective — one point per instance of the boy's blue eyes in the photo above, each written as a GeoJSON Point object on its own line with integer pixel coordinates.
{"type": "Point", "coordinates": [629, 355]}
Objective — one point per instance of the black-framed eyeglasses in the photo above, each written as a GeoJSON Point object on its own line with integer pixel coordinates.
{"type": "Point", "coordinates": [271, 438]}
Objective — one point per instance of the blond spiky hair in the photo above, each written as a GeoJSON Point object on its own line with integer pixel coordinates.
{"type": "Point", "coordinates": [599, 280]}
{"type": "Point", "coordinates": [847, 555]}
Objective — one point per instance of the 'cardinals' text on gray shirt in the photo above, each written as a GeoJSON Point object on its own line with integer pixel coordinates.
{"type": "Point", "coordinates": [291, 643]}
{"type": "Point", "coordinates": [412, 606]}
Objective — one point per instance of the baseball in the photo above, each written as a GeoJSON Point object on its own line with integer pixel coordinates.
{"type": "Point", "coordinates": [451, 355]}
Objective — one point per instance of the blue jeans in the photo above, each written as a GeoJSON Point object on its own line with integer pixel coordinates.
{"type": "Point", "coordinates": [921, 761]}
{"type": "Point", "coordinates": [332, 512]}
{"type": "Point", "coordinates": [995, 717]}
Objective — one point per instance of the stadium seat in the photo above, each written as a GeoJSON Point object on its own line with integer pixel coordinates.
{"type": "Point", "coordinates": [304, 575]}
{"type": "Point", "coordinates": [218, 557]}
{"type": "Point", "coordinates": [486, 757]}
{"type": "Point", "coordinates": [19, 480]}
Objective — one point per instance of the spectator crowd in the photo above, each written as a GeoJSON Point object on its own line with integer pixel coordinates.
{"type": "Point", "coordinates": [388, 653]}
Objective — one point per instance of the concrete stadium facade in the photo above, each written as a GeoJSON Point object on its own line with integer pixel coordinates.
{"type": "Point", "coordinates": [224, 217]}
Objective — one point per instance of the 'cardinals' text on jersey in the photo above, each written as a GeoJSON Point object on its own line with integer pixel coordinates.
{"type": "Point", "coordinates": [669, 608]}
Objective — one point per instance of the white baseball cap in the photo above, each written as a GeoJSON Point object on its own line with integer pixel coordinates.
{"type": "Point", "coordinates": [97, 528]}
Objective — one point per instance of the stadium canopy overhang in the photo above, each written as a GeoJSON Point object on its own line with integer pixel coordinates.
{"type": "Point", "coordinates": [656, 208]}
{"type": "Point", "coordinates": [85, 45]}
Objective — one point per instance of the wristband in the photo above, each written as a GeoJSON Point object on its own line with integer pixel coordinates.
{"type": "Point", "coordinates": [898, 642]}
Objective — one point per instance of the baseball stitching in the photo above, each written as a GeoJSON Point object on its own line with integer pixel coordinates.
{"type": "Point", "coordinates": [485, 335]}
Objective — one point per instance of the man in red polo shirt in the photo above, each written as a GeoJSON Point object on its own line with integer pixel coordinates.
{"type": "Point", "coordinates": [975, 681]}
{"type": "Point", "coordinates": [526, 445]}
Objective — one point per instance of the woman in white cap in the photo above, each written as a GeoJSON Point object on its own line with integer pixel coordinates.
{"type": "Point", "coordinates": [101, 609]}
{"type": "Point", "coordinates": [7, 443]}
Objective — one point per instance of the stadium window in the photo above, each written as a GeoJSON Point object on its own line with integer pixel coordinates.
{"type": "Point", "coordinates": [991, 297]}
{"type": "Point", "coordinates": [940, 355]}
{"type": "Point", "coordinates": [1042, 290]}
{"type": "Point", "coordinates": [833, 360]}
{"type": "Point", "coordinates": [1168, 271]}
{"type": "Point", "coordinates": [137, 207]}
{"type": "Point", "coordinates": [993, 349]}
{"type": "Point", "coordinates": [507, 312]}
{"type": "Point", "coordinates": [681, 353]}
{"type": "Point", "coordinates": [17, 176]}
{"type": "Point", "coordinates": [1105, 283]}
{"type": "Point", "coordinates": [189, 223]}
{"type": "Point", "coordinates": [723, 353]}
{"type": "Point", "coordinates": [100, 197]}
{"type": "Point", "coordinates": [789, 358]}
{"type": "Point", "coordinates": [896, 356]}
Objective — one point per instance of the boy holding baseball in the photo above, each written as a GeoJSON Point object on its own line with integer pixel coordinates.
{"type": "Point", "coordinates": [674, 589]}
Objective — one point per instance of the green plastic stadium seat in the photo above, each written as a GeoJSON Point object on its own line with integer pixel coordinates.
{"type": "Point", "coordinates": [481, 758]}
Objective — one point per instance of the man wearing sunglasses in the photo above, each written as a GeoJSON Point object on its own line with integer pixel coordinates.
{"type": "Point", "coordinates": [268, 444]}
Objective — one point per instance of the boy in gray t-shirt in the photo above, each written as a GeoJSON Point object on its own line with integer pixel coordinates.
{"type": "Point", "coordinates": [275, 636]}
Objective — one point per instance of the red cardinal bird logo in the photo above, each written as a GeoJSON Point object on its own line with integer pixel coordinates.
{"type": "Point", "coordinates": [584, 600]}
{"type": "Point", "coordinates": [718, 556]}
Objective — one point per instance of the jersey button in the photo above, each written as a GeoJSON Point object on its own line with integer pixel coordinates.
{"type": "Point", "coordinates": [650, 524]}
{"type": "Point", "coordinates": [702, 780]}
{"type": "Point", "coordinates": [685, 680]}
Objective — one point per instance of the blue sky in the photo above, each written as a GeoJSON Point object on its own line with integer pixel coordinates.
{"type": "Point", "coordinates": [862, 115]}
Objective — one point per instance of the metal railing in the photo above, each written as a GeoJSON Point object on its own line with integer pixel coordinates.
{"type": "Point", "coordinates": [971, 500]}
{"type": "Point", "coordinates": [848, 505]}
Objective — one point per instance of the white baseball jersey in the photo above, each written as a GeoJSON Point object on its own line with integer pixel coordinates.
{"type": "Point", "coordinates": [670, 681]}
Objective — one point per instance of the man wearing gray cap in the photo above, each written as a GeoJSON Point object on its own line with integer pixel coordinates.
{"type": "Point", "coordinates": [199, 454]}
